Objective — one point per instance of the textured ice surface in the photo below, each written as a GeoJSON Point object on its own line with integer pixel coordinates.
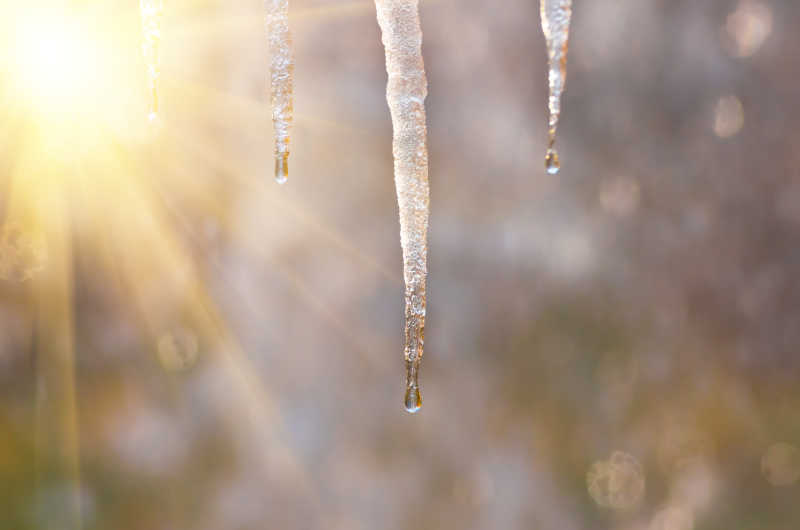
{"type": "Point", "coordinates": [405, 92]}
{"type": "Point", "coordinates": [556, 15]}
{"type": "Point", "coordinates": [280, 73]}
{"type": "Point", "coordinates": [152, 11]}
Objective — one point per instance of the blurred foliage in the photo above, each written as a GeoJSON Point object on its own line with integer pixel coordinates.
{"type": "Point", "coordinates": [198, 348]}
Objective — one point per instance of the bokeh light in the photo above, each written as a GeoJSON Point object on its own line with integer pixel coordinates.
{"type": "Point", "coordinates": [23, 252]}
{"type": "Point", "coordinates": [728, 116]}
{"type": "Point", "coordinates": [672, 518]}
{"type": "Point", "coordinates": [186, 345]}
{"type": "Point", "coordinates": [616, 483]}
{"type": "Point", "coordinates": [748, 27]}
{"type": "Point", "coordinates": [780, 464]}
{"type": "Point", "coordinates": [619, 196]}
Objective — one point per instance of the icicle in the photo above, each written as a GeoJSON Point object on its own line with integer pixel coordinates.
{"type": "Point", "coordinates": [556, 16]}
{"type": "Point", "coordinates": [152, 11]}
{"type": "Point", "coordinates": [281, 70]}
{"type": "Point", "coordinates": [405, 92]}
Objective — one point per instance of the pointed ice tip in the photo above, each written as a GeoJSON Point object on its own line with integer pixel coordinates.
{"type": "Point", "coordinates": [281, 168]}
{"type": "Point", "coordinates": [154, 121]}
{"type": "Point", "coordinates": [413, 401]}
{"type": "Point", "coordinates": [551, 163]}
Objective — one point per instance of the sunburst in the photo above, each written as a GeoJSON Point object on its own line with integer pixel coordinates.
{"type": "Point", "coordinates": [88, 175]}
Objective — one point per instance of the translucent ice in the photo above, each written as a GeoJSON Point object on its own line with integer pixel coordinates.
{"type": "Point", "coordinates": [556, 15]}
{"type": "Point", "coordinates": [152, 12]}
{"type": "Point", "coordinates": [405, 92]}
{"type": "Point", "coordinates": [280, 74]}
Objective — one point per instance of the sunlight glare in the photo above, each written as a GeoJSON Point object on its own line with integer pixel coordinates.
{"type": "Point", "coordinates": [57, 60]}
{"type": "Point", "coordinates": [74, 79]}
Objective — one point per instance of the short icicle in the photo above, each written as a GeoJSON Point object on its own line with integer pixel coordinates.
{"type": "Point", "coordinates": [405, 92]}
{"type": "Point", "coordinates": [556, 15]}
{"type": "Point", "coordinates": [280, 73]}
{"type": "Point", "coordinates": [152, 12]}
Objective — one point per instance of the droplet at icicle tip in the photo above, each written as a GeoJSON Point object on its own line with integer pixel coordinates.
{"type": "Point", "coordinates": [152, 11]}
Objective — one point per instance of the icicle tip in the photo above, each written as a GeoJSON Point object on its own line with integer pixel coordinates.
{"type": "Point", "coordinates": [281, 168]}
{"type": "Point", "coordinates": [413, 398]}
{"type": "Point", "coordinates": [413, 401]}
{"type": "Point", "coordinates": [551, 163]}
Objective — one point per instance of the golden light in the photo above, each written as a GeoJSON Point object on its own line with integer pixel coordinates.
{"type": "Point", "coordinates": [73, 75]}
{"type": "Point", "coordinates": [56, 62]}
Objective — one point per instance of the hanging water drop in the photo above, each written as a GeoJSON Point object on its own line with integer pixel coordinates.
{"type": "Point", "coordinates": [556, 15]}
{"type": "Point", "coordinates": [281, 168]}
{"type": "Point", "coordinates": [406, 90]}
{"type": "Point", "coordinates": [281, 73]}
{"type": "Point", "coordinates": [152, 12]}
{"type": "Point", "coordinates": [413, 398]}
{"type": "Point", "coordinates": [551, 163]}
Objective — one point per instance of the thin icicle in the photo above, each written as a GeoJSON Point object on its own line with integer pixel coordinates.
{"type": "Point", "coordinates": [281, 73]}
{"type": "Point", "coordinates": [556, 15]}
{"type": "Point", "coordinates": [152, 11]}
{"type": "Point", "coordinates": [405, 92]}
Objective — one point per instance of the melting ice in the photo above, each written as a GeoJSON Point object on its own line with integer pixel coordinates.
{"type": "Point", "coordinates": [405, 92]}
{"type": "Point", "coordinates": [281, 74]}
{"type": "Point", "coordinates": [556, 15]}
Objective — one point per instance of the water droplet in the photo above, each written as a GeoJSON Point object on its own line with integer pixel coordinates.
{"type": "Point", "coordinates": [153, 115]}
{"type": "Point", "coordinates": [551, 163]}
{"type": "Point", "coordinates": [281, 167]}
{"type": "Point", "coordinates": [413, 398]}
{"type": "Point", "coordinates": [154, 121]}
{"type": "Point", "coordinates": [151, 12]}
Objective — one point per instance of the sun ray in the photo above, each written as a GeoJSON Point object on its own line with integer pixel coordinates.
{"type": "Point", "coordinates": [281, 201]}
{"type": "Point", "coordinates": [57, 426]}
{"type": "Point", "coordinates": [140, 224]}
{"type": "Point", "coordinates": [247, 113]}
{"type": "Point", "coordinates": [84, 169]}
{"type": "Point", "coordinates": [236, 23]}
{"type": "Point", "coordinates": [253, 246]}
{"type": "Point", "coordinates": [46, 215]}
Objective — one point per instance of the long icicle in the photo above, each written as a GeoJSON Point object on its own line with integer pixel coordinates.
{"type": "Point", "coordinates": [281, 73]}
{"type": "Point", "coordinates": [405, 92]}
{"type": "Point", "coordinates": [556, 15]}
{"type": "Point", "coordinates": [152, 12]}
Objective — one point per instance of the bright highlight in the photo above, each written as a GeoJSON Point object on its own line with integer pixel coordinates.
{"type": "Point", "coordinates": [56, 62]}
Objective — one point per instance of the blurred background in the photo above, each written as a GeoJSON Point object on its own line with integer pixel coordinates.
{"type": "Point", "coordinates": [185, 344]}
